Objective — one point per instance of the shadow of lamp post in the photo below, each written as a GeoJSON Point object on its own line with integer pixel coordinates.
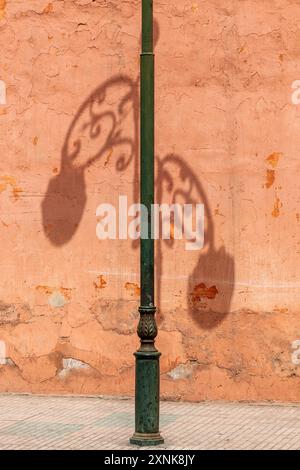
{"type": "Point", "coordinates": [147, 357]}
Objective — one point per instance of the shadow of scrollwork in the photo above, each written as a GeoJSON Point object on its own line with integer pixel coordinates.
{"type": "Point", "coordinates": [98, 130]}
{"type": "Point", "coordinates": [210, 285]}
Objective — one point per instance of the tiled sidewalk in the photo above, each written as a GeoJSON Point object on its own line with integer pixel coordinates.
{"type": "Point", "coordinates": [35, 422]}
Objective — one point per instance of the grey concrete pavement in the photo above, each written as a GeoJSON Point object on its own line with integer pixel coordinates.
{"type": "Point", "coordinates": [36, 422]}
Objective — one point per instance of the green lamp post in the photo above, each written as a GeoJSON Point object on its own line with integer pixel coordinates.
{"type": "Point", "coordinates": [147, 357]}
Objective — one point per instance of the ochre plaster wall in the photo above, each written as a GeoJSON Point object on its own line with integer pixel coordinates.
{"type": "Point", "coordinates": [228, 136]}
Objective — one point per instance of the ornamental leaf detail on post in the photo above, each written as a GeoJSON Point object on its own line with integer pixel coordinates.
{"type": "Point", "coordinates": [147, 328]}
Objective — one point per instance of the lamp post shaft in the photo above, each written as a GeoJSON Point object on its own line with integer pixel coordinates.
{"type": "Point", "coordinates": [147, 152]}
{"type": "Point", "coordinates": [147, 357]}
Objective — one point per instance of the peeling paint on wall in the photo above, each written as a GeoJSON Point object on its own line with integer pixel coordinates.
{"type": "Point", "coordinates": [277, 207]}
{"type": "Point", "coordinates": [274, 158]}
{"type": "Point", "coordinates": [270, 178]}
{"type": "Point", "coordinates": [8, 313]}
{"type": "Point", "coordinates": [133, 288]}
{"type": "Point", "coordinates": [182, 371]}
{"type": "Point", "coordinates": [70, 364]}
{"type": "Point", "coordinates": [201, 291]}
{"type": "Point", "coordinates": [2, 352]}
{"type": "Point", "coordinates": [2, 87]}
{"type": "Point", "coordinates": [56, 300]}
{"type": "Point", "coordinates": [7, 181]}
{"type": "Point", "coordinates": [101, 282]}
{"type": "Point", "coordinates": [48, 290]}
{"type": "Point", "coordinates": [2, 8]}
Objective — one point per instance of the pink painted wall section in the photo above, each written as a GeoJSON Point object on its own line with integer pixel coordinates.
{"type": "Point", "coordinates": [228, 136]}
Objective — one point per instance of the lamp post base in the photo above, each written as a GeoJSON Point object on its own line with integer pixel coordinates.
{"type": "Point", "coordinates": [147, 394]}
{"type": "Point", "coordinates": [143, 440]}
